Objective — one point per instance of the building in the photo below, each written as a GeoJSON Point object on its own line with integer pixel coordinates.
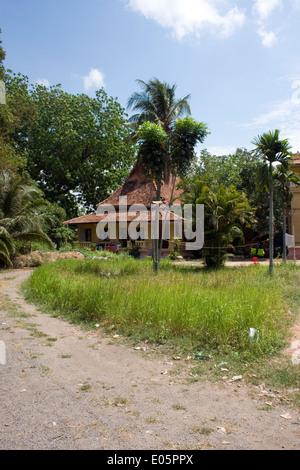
{"type": "Point", "coordinates": [294, 210]}
{"type": "Point", "coordinates": [138, 190]}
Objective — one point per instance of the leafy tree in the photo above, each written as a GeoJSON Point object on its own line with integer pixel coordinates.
{"type": "Point", "coordinates": [18, 114]}
{"type": "Point", "coordinates": [54, 226]}
{"type": "Point", "coordinates": [78, 147]}
{"type": "Point", "coordinates": [166, 142]}
{"type": "Point", "coordinates": [272, 150]}
{"type": "Point", "coordinates": [226, 212]}
{"type": "Point", "coordinates": [157, 103]}
{"type": "Point", "coordinates": [163, 154]}
{"type": "Point", "coordinates": [21, 214]}
{"type": "Point", "coordinates": [239, 169]}
{"type": "Point", "coordinates": [2, 58]}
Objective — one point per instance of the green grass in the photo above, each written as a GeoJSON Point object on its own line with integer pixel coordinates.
{"type": "Point", "coordinates": [199, 309]}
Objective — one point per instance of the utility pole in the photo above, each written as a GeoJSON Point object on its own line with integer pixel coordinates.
{"type": "Point", "coordinates": [156, 237]}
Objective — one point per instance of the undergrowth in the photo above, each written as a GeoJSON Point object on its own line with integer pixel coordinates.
{"type": "Point", "coordinates": [180, 305]}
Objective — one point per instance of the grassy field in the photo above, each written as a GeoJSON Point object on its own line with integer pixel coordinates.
{"type": "Point", "coordinates": [187, 306]}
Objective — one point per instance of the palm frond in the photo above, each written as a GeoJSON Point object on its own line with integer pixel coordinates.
{"type": "Point", "coordinates": [5, 260]}
{"type": "Point", "coordinates": [33, 237]}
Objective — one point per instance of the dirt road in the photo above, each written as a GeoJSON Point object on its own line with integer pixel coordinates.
{"type": "Point", "coordinates": [65, 388]}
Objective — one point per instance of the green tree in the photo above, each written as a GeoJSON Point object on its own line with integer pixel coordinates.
{"type": "Point", "coordinates": [21, 214]}
{"type": "Point", "coordinates": [240, 170]}
{"type": "Point", "coordinates": [19, 112]}
{"type": "Point", "coordinates": [16, 117]}
{"type": "Point", "coordinates": [226, 213]}
{"type": "Point", "coordinates": [78, 149]}
{"type": "Point", "coordinates": [2, 58]}
{"type": "Point", "coordinates": [157, 103]}
{"type": "Point", "coordinates": [272, 150]}
{"type": "Point", "coordinates": [163, 154]}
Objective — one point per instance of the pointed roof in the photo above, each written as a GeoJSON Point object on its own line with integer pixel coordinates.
{"type": "Point", "coordinates": [139, 189]}
{"type": "Point", "coordinates": [296, 158]}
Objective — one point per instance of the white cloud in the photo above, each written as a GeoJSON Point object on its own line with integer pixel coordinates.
{"type": "Point", "coordinates": [269, 39]}
{"type": "Point", "coordinates": [220, 150]}
{"type": "Point", "coordinates": [283, 115]}
{"type": "Point", "coordinates": [191, 17]}
{"type": "Point", "coordinates": [264, 8]}
{"type": "Point", "coordinates": [95, 79]}
{"type": "Point", "coordinates": [44, 82]}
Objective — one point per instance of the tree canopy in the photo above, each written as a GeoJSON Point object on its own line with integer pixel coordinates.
{"type": "Point", "coordinates": [75, 147]}
{"type": "Point", "coordinates": [78, 148]}
{"type": "Point", "coordinates": [157, 103]}
{"type": "Point", "coordinates": [272, 150]}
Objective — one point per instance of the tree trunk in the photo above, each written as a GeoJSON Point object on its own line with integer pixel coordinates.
{"type": "Point", "coordinates": [156, 242]}
{"type": "Point", "coordinates": [271, 230]}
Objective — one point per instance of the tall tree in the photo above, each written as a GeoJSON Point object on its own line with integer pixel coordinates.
{"type": "Point", "coordinates": [166, 141]}
{"type": "Point", "coordinates": [157, 103]}
{"type": "Point", "coordinates": [272, 150]}
{"type": "Point", "coordinates": [226, 214]}
{"type": "Point", "coordinates": [16, 117]}
{"type": "Point", "coordinates": [78, 149]}
{"type": "Point", "coordinates": [2, 58]}
{"type": "Point", "coordinates": [163, 154]}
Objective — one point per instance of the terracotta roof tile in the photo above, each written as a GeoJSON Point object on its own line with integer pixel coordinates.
{"type": "Point", "coordinates": [139, 190]}
{"type": "Point", "coordinates": [144, 216]}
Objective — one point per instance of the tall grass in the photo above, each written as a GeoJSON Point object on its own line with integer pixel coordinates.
{"type": "Point", "coordinates": [210, 309]}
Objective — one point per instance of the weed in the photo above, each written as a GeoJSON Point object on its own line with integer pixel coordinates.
{"type": "Point", "coordinates": [191, 309]}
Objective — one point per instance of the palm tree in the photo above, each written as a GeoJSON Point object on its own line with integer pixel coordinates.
{"type": "Point", "coordinates": [157, 103]}
{"type": "Point", "coordinates": [272, 150]}
{"type": "Point", "coordinates": [21, 214]}
{"type": "Point", "coordinates": [161, 134]}
{"type": "Point", "coordinates": [227, 212]}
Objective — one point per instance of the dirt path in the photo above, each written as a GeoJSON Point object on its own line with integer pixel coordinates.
{"type": "Point", "coordinates": [63, 388]}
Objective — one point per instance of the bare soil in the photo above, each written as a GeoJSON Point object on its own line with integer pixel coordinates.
{"type": "Point", "coordinates": [65, 388]}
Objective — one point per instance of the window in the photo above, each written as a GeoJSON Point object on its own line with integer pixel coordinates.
{"type": "Point", "coordinates": [141, 231]}
{"type": "Point", "coordinates": [88, 234]}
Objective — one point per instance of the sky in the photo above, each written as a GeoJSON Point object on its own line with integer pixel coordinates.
{"type": "Point", "coordinates": [238, 59]}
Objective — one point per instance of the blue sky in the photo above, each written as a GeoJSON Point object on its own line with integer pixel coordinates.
{"type": "Point", "coordinates": [239, 59]}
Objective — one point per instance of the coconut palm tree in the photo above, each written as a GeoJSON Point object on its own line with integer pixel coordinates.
{"type": "Point", "coordinates": [157, 103]}
{"type": "Point", "coordinates": [272, 150]}
{"type": "Point", "coordinates": [21, 214]}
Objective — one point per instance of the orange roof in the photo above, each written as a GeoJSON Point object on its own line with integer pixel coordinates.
{"type": "Point", "coordinates": [139, 190]}
{"type": "Point", "coordinates": [296, 159]}
{"type": "Point", "coordinates": [119, 217]}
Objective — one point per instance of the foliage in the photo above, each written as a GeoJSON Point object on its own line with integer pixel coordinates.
{"type": "Point", "coordinates": [153, 151]}
{"type": "Point", "coordinates": [272, 150]}
{"type": "Point", "coordinates": [227, 212]}
{"type": "Point", "coordinates": [21, 214]}
{"type": "Point", "coordinates": [212, 310]}
{"type": "Point", "coordinates": [163, 154]}
{"type": "Point", "coordinates": [18, 114]}
{"type": "Point", "coordinates": [78, 147]}
{"type": "Point", "coordinates": [157, 103]}
{"type": "Point", "coordinates": [175, 243]}
{"type": "Point", "coordinates": [239, 169]}
{"type": "Point", "coordinates": [186, 135]}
